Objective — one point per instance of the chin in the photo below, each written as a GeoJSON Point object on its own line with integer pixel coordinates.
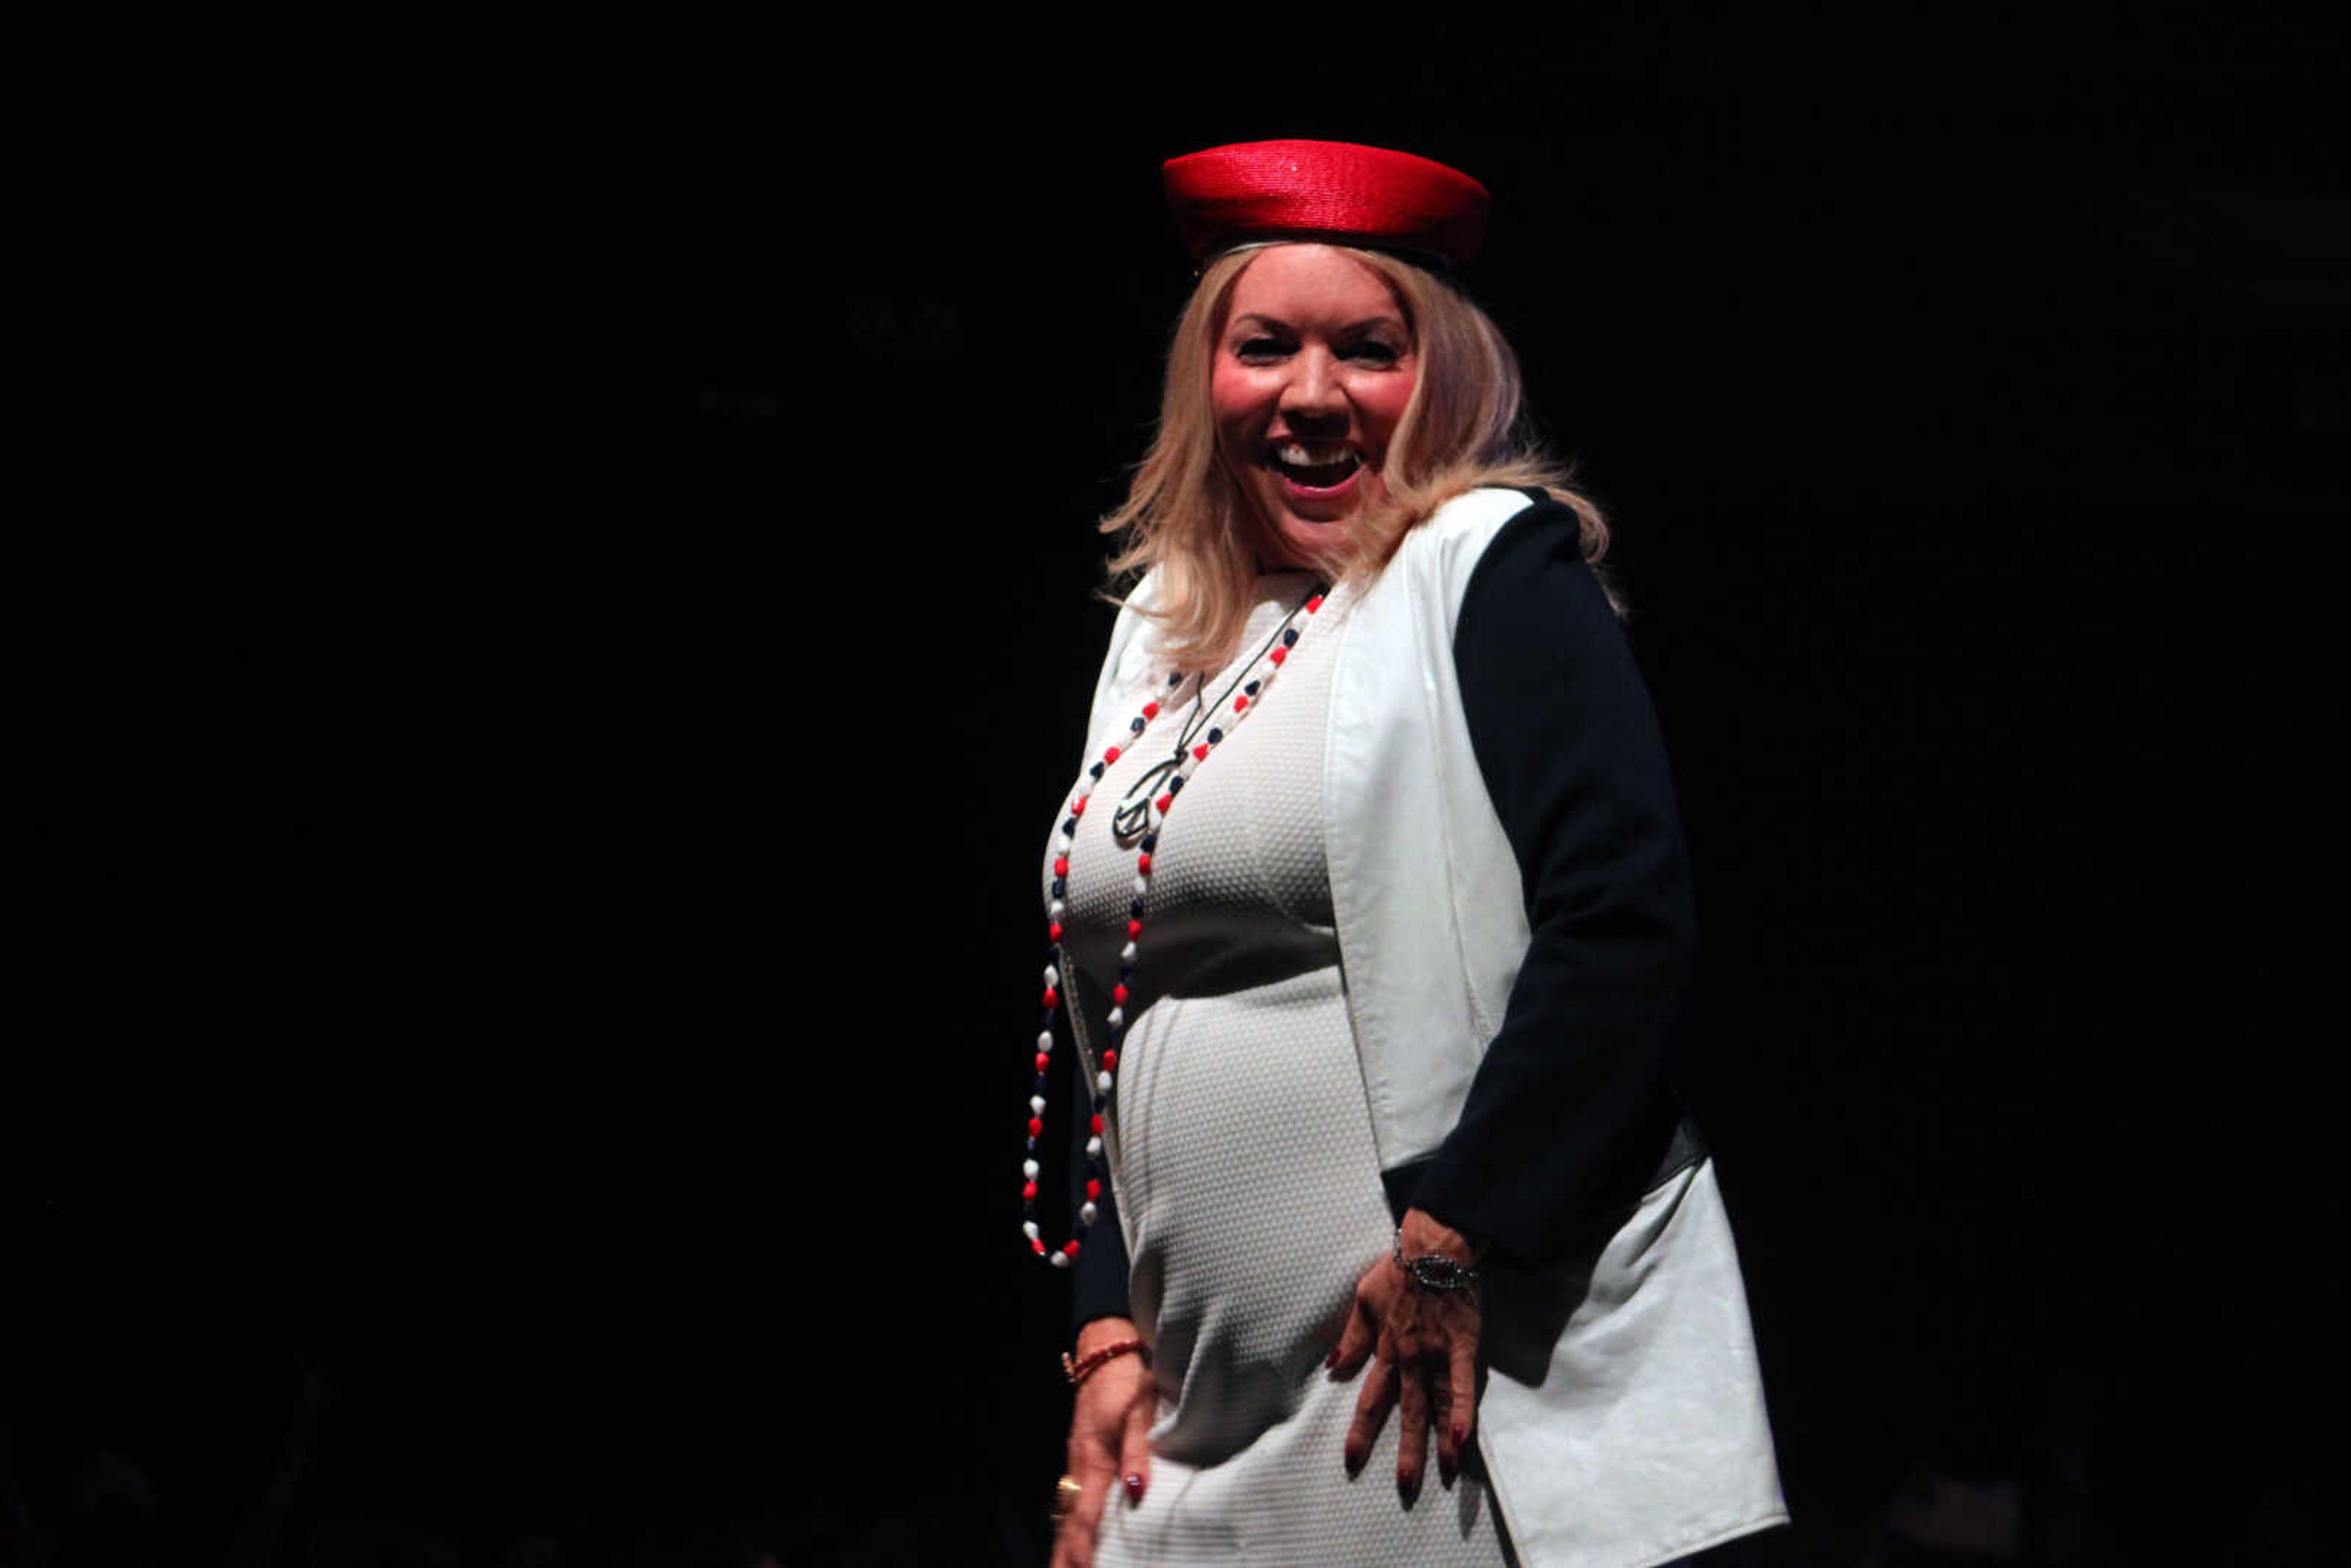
{"type": "Point", "coordinates": [1300, 531]}
{"type": "Point", "coordinates": [1303, 543]}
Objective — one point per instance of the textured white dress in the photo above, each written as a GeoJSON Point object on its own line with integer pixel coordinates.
{"type": "Point", "coordinates": [1241, 1149]}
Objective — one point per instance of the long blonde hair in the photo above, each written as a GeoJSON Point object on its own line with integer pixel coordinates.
{"type": "Point", "coordinates": [1183, 519]}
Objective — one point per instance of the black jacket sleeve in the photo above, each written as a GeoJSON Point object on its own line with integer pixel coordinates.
{"type": "Point", "coordinates": [1570, 1114]}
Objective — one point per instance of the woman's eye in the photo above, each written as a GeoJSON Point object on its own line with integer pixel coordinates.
{"type": "Point", "coordinates": [1373, 354]}
{"type": "Point", "coordinates": [1259, 348]}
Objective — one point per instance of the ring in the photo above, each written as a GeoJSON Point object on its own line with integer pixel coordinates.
{"type": "Point", "coordinates": [1066, 1492]}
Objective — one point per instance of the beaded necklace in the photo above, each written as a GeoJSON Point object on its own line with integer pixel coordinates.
{"type": "Point", "coordinates": [1145, 813]}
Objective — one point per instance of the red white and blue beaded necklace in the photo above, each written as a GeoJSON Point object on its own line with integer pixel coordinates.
{"type": "Point", "coordinates": [1147, 815]}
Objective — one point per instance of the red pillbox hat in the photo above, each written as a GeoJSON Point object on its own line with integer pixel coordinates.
{"type": "Point", "coordinates": [1323, 190]}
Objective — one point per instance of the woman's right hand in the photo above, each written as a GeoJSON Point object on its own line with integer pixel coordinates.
{"type": "Point", "coordinates": [1110, 1445]}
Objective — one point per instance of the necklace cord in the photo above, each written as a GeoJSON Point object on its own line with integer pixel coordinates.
{"type": "Point", "coordinates": [1133, 814]}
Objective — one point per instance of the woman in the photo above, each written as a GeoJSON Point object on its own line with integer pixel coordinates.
{"type": "Point", "coordinates": [1414, 944]}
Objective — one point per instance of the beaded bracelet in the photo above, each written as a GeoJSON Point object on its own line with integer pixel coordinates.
{"type": "Point", "coordinates": [1084, 1366]}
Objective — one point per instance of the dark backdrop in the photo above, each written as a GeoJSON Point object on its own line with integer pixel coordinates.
{"type": "Point", "coordinates": [549, 951]}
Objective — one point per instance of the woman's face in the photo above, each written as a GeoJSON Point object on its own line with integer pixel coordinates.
{"type": "Point", "coordinates": [1312, 371]}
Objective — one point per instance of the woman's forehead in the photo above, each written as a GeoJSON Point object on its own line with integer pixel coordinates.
{"type": "Point", "coordinates": [1318, 281]}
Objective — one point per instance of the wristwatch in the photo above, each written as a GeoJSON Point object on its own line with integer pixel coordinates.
{"type": "Point", "coordinates": [1434, 1270]}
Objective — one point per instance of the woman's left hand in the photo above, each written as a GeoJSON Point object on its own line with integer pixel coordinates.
{"type": "Point", "coordinates": [1423, 1348]}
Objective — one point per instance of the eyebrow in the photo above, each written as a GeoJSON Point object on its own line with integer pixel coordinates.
{"type": "Point", "coordinates": [1276, 322]}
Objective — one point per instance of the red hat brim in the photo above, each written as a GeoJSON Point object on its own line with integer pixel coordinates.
{"type": "Point", "coordinates": [1324, 190]}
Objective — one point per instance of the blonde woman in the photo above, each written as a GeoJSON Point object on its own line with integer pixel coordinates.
{"type": "Point", "coordinates": [1371, 926]}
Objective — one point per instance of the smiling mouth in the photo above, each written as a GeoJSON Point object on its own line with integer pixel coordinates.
{"type": "Point", "coordinates": [1315, 468]}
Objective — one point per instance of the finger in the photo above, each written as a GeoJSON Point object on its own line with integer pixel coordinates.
{"type": "Point", "coordinates": [1461, 1417]}
{"type": "Point", "coordinates": [1354, 1347]}
{"type": "Point", "coordinates": [1134, 1445]}
{"type": "Point", "coordinates": [1412, 1439]}
{"type": "Point", "coordinates": [1372, 1407]}
{"type": "Point", "coordinates": [1440, 1418]}
{"type": "Point", "coordinates": [1075, 1546]}
{"type": "Point", "coordinates": [1061, 1543]}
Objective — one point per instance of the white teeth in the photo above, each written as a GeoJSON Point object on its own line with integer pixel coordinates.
{"type": "Point", "coordinates": [1301, 457]}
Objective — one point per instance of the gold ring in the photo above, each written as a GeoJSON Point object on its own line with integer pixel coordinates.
{"type": "Point", "coordinates": [1066, 1492]}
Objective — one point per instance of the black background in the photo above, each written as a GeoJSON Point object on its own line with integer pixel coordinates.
{"type": "Point", "coordinates": [548, 903]}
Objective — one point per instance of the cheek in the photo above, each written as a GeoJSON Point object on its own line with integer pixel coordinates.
{"type": "Point", "coordinates": [1229, 397]}
{"type": "Point", "coordinates": [1383, 406]}
{"type": "Point", "coordinates": [1238, 413]}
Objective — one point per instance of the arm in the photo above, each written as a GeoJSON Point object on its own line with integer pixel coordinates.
{"type": "Point", "coordinates": [1570, 1108]}
{"type": "Point", "coordinates": [1110, 1420]}
{"type": "Point", "coordinates": [1098, 1288]}
{"type": "Point", "coordinates": [1110, 1441]}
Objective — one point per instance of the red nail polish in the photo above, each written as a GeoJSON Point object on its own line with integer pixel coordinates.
{"type": "Point", "coordinates": [1460, 1434]}
{"type": "Point", "coordinates": [1332, 1360]}
{"type": "Point", "coordinates": [1134, 1488]}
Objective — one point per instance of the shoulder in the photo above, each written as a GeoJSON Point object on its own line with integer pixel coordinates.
{"type": "Point", "coordinates": [1142, 596]}
{"type": "Point", "coordinates": [1533, 599]}
{"type": "Point", "coordinates": [1468, 523]}
{"type": "Point", "coordinates": [1127, 662]}
{"type": "Point", "coordinates": [1133, 620]}
{"type": "Point", "coordinates": [1448, 553]}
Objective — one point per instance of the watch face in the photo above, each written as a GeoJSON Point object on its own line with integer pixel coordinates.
{"type": "Point", "coordinates": [1442, 1273]}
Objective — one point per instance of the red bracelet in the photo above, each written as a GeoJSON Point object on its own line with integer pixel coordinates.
{"type": "Point", "coordinates": [1084, 1366]}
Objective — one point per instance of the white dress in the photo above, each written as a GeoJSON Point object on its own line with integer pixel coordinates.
{"type": "Point", "coordinates": [1241, 1148]}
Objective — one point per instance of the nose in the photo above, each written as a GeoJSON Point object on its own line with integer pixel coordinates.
{"type": "Point", "coordinates": [1313, 395]}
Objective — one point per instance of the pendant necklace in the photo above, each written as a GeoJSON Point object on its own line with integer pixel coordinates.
{"type": "Point", "coordinates": [1144, 812]}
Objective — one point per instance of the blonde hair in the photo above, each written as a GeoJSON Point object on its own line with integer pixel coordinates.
{"type": "Point", "coordinates": [1461, 428]}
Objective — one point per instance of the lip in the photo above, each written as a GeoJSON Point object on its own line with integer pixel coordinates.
{"type": "Point", "coordinates": [1316, 496]}
{"type": "Point", "coordinates": [1337, 492]}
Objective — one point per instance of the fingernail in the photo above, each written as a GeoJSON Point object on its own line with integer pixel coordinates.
{"type": "Point", "coordinates": [1331, 1360]}
{"type": "Point", "coordinates": [1445, 1470]}
{"type": "Point", "coordinates": [1354, 1464]}
{"type": "Point", "coordinates": [1460, 1434]}
{"type": "Point", "coordinates": [1134, 1488]}
{"type": "Point", "coordinates": [1409, 1490]}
